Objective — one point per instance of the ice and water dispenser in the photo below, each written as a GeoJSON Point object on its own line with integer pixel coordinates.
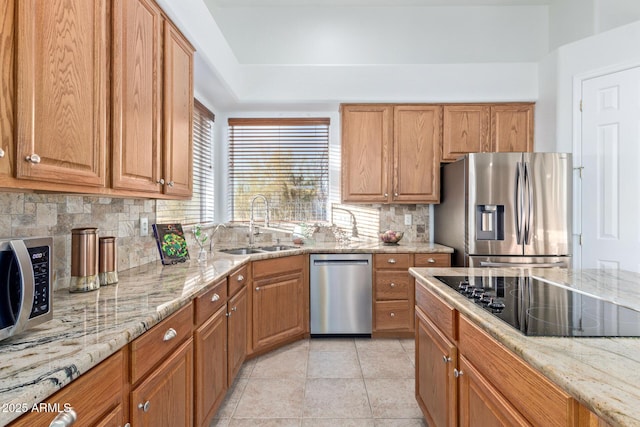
{"type": "Point", "coordinates": [489, 222]}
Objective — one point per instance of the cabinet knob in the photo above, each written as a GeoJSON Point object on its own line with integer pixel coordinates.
{"type": "Point", "coordinates": [392, 314]}
{"type": "Point", "coordinates": [386, 194]}
{"type": "Point", "coordinates": [431, 260]}
{"type": "Point", "coordinates": [1, 153]}
{"type": "Point", "coordinates": [393, 285]}
{"type": "Point", "coordinates": [160, 181]}
{"type": "Point", "coordinates": [395, 194]}
{"type": "Point", "coordinates": [240, 278]}
{"type": "Point", "coordinates": [144, 406]}
{"type": "Point", "coordinates": [170, 334]}
{"type": "Point", "coordinates": [34, 158]}
{"type": "Point", "coordinates": [234, 309]}
{"type": "Point", "coordinates": [457, 373]}
{"type": "Point", "coordinates": [257, 288]}
{"type": "Point", "coordinates": [446, 359]}
{"type": "Point", "coordinates": [228, 314]}
{"type": "Point", "coordinates": [391, 261]}
{"type": "Point", "coordinates": [215, 297]}
{"type": "Point", "coordinates": [170, 183]}
{"type": "Point", "coordinates": [64, 419]}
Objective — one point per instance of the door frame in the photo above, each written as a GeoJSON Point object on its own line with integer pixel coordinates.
{"type": "Point", "coordinates": [578, 80]}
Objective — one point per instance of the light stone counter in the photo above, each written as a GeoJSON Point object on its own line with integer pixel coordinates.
{"type": "Point", "coordinates": [89, 327]}
{"type": "Point", "coordinates": [601, 373]}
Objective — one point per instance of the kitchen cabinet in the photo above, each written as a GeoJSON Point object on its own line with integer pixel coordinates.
{"type": "Point", "coordinates": [482, 382]}
{"type": "Point", "coordinates": [280, 302]}
{"type": "Point", "coordinates": [61, 91]}
{"type": "Point", "coordinates": [96, 397]}
{"type": "Point", "coordinates": [161, 373]}
{"type": "Point", "coordinates": [236, 333]}
{"type": "Point", "coordinates": [390, 154]}
{"type": "Point", "coordinates": [148, 52]}
{"type": "Point", "coordinates": [7, 88]}
{"type": "Point", "coordinates": [210, 352]}
{"type": "Point", "coordinates": [486, 128]}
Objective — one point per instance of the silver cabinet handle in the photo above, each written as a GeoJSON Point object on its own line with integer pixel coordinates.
{"type": "Point", "coordinates": [228, 314]}
{"type": "Point", "coordinates": [457, 373]}
{"type": "Point", "coordinates": [170, 183]}
{"type": "Point", "coordinates": [215, 297]}
{"type": "Point", "coordinates": [392, 315]}
{"type": "Point", "coordinates": [170, 334]}
{"type": "Point", "coordinates": [431, 260]}
{"type": "Point", "coordinates": [391, 261]}
{"type": "Point", "coordinates": [240, 278]}
{"type": "Point", "coordinates": [34, 158]}
{"type": "Point", "coordinates": [160, 181]}
{"type": "Point", "coordinates": [234, 309]}
{"type": "Point", "coordinates": [257, 288]}
{"type": "Point", "coordinates": [64, 419]}
{"type": "Point", "coordinates": [393, 285]}
{"type": "Point", "coordinates": [395, 194]}
{"type": "Point", "coordinates": [386, 194]}
{"type": "Point", "coordinates": [446, 359]}
{"type": "Point", "coordinates": [1, 153]}
{"type": "Point", "coordinates": [144, 406]}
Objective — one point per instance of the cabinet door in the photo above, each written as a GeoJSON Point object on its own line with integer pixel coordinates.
{"type": "Point", "coordinates": [62, 87]}
{"type": "Point", "coordinates": [512, 128]}
{"type": "Point", "coordinates": [236, 334]}
{"type": "Point", "coordinates": [164, 398]}
{"type": "Point", "coordinates": [210, 366]}
{"type": "Point", "coordinates": [7, 89]}
{"type": "Point", "coordinates": [465, 130]}
{"type": "Point", "coordinates": [366, 152]}
{"type": "Point", "coordinates": [137, 37]}
{"type": "Point", "coordinates": [481, 404]}
{"type": "Point", "coordinates": [278, 309]}
{"type": "Point", "coordinates": [178, 113]}
{"type": "Point", "coordinates": [416, 154]}
{"type": "Point", "coordinates": [435, 384]}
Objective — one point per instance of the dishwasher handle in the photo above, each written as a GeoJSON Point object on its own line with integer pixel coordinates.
{"type": "Point", "coordinates": [340, 262]}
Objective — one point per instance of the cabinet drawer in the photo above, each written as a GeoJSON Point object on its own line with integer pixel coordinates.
{"type": "Point", "coordinates": [539, 400]}
{"type": "Point", "coordinates": [209, 302]}
{"type": "Point", "coordinates": [277, 266]}
{"type": "Point", "coordinates": [392, 315]}
{"type": "Point", "coordinates": [238, 279]}
{"type": "Point", "coordinates": [432, 260]}
{"type": "Point", "coordinates": [438, 311]}
{"type": "Point", "coordinates": [92, 396]}
{"type": "Point", "coordinates": [392, 285]}
{"type": "Point", "coordinates": [392, 261]}
{"type": "Point", "coordinates": [155, 345]}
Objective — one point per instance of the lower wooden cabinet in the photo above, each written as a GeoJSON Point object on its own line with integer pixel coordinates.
{"type": "Point", "coordinates": [236, 333]}
{"type": "Point", "coordinates": [165, 397]}
{"type": "Point", "coordinates": [280, 301]}
{"type": "Point", "coordinates": [96, 397]}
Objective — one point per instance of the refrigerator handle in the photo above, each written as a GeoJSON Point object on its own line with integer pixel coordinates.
{"type": "Point", "coordinates": [518, 204]}
{"type": "Point", "coordinates": [523, 264]}
{"type": "Point", "coordinates": [529, 189]}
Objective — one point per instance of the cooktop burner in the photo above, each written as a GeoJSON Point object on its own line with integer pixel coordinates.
{"type": "Point", "coordinates": [538, 308]}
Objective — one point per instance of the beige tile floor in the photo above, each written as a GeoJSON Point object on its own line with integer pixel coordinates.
{"type": "Point", "coordinates": [326, 382]}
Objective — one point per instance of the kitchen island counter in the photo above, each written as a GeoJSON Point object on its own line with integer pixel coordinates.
{"type": "Point", "coordinates": [89, 327]}
{"type": "Point", "coordinates": [601, 373]}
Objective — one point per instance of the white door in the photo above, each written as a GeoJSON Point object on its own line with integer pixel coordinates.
{"type": "Point", "coordinates": [610, 187]}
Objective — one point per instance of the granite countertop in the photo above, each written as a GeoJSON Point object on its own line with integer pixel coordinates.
{"type": "Point", "coordinates": [89, 327]}
{"type": "Point", "coordinates": [601, 373]}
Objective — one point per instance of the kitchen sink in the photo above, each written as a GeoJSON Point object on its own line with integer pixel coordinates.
{"type": "Point", "coordinates": [241, 251]}
{"type": "Point", "coordinates": [277, 248]}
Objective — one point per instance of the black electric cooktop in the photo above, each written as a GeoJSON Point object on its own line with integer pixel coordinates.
{"type": "Point", "coordinates": [538, 308]}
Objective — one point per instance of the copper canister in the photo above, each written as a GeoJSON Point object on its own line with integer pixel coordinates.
{"type": "Point", "coordinates": [107, 263]}
{"type": "Point", "coordinates": [84, 260]}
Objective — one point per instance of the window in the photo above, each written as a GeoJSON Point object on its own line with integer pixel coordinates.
{"type": "Point", "coordinates": [286, 160]}
{"type": "Point", "coordinates": [200, 208]}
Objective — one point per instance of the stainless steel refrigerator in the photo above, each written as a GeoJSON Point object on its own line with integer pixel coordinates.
{"type": "Point", "coordinates": [506, 209]}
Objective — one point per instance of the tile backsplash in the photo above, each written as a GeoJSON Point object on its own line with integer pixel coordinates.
{"type": "Point", "coordinates": [54, 215]}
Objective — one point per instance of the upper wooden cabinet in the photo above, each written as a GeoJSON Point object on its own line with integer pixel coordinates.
{"type": "Point", "coordinates": [390, 154]}
{"type": "Point", "coordinates": [152, 102]}
{"type": "Point", "coordinates": [486, 128]}
{"type": "Point", "coordinates": [61, 93]}
{"type": "Point", "coordinates": [7, 89]}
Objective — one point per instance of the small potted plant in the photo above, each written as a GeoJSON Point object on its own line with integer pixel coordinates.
{"type": "Point", "coordinates": [201, 238]}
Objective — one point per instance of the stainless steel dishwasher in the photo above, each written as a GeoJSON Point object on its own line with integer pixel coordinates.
{"type": "Point", "coordinates": [340, 294]}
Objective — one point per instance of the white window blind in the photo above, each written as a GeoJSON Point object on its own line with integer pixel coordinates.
{"type": "Point", "coordinates": [200, 208]}
{"type": "Point", "coordinates": [286, 160]}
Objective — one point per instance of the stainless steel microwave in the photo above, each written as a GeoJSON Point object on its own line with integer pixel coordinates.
{"type": "Point", "coordinates": [25, 284]}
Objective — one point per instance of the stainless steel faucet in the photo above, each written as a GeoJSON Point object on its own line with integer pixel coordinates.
{"type": "Point", "coordinates": [251, 218]}
{"type": "Point", "coordinates": [354, 224]}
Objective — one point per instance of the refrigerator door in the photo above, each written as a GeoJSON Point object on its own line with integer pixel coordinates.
{"type": "Point", "coordinates": [494, 218]}
{"type": "Point", "coordinates": [548, 201]}
{"type": "Point", "coordinates": [523, 262]}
